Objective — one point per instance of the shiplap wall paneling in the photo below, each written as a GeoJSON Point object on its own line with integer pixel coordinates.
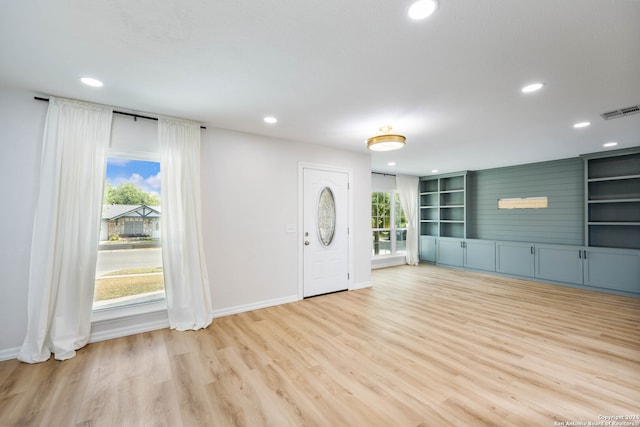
{"type": "Point", "coordinates": [561, 223]}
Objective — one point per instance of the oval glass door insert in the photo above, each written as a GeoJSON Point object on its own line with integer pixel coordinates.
{"type": "Point", "coordinates": [326, 216]}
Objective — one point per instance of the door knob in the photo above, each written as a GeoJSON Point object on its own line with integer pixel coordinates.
{"type": "Point", "coordinates": [306, 243]}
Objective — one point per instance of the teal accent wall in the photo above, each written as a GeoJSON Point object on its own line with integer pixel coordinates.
{"type": "Point", "coordinates": [562, 181]}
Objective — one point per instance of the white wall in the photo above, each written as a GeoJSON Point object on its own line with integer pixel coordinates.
{"type": "Point", "coordinates": [250, 186]}
{"type": "Point", "coordinates": [21, 128]}
{"type": "Point", "coordinates": [249, 193]}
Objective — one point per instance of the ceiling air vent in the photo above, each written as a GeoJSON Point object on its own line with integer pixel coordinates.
{"type": "Point", "coordinates": [621, 112]}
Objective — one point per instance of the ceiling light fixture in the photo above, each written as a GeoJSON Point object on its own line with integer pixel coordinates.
{"type": "Point", "coordinates": [610, 144]}
{"type": "Point", "coordinates": [391, 164]}
{"type": "Point", "coordinates": [581, 125]}
{"type": "Point", "coordinates": [422, 9]}
{"type": "Point", "coordinates": [270, 120]}
{"type": "Point", "coordinates": [532, 87]}
{"type": "Point", "coordinates": [387, 141]}
{"type": "Point", "coordinates": [91, 82]}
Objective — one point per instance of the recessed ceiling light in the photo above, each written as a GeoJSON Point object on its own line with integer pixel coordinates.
{"type": "Point", "coordinates": [435, 171]}
{"type": "Point", "coordinates": [422, 9]}
{"type": "Point", "coordinates": [391, 164]}
{"type": "Point", "coordinates": [270, 120]}
{"type": "Point", "coordinates": [532, 87]}
{"type": "Point", "coordinates": [610, 144]}
{"type": "Point", "coordinates": [581, 125]}
{"type": "Point", "coordinates": [91, 82]}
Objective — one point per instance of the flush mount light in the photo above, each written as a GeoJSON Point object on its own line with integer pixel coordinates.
{"type": "Point", "coordinates": [422, 9]}
{"type": "Point", "coordinates": [91, 82]}
{"type": "Point", "coordinates": [435, 171]}
{"type": "Point", "coordinates": [387, 141]}
{"type": "Point", "coordinates": [533, 87]}
{"type": "Point", "coordinates": [581, 125]}
{"type": "Point", "coordinates": [610, 144]}
{"type": "Point", "coordinates": [391, 164]}
{"type": "Point", "coordinates": [270, 120]}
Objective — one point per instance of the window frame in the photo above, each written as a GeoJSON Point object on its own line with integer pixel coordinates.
{"type": "Point", "coordinates": [394, 204]}
{"type": "Point", "coordinates": [102, 314]}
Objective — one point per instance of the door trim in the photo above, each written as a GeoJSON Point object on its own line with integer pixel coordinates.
{"type": "Point", "coordinates": [299, 235]}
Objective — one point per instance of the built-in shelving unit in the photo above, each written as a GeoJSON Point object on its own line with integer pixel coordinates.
{"type": "Point", "coordinates": [429, 207]}
{"type": "Point", "coordinates": [443, 205]}
{"type": "Point", "coordinates": [613, 199]}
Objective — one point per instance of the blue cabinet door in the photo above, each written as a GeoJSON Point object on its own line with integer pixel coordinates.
{"type": "Point", "coordinates": [617, 269]}
{"type": "Point", "coordinates": [480, 254]}
{"type": "Point", "coordinates": [559, 263]}
{"type": "Point", "coordinates": [450, 252]}
{"type": "Point", "coordinates": [428, 248]}
{"type": "Point", "coordinates": [515, 258]}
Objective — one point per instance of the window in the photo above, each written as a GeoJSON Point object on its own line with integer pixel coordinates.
{"type": "Point", "coordinates": [388, 224]}
{"type": "Point", "coordinates": [129, 267]}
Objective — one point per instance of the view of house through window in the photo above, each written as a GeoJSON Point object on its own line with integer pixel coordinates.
{"type": "Point", "coordinates": [388, 224]}
{"type": "Point", "coordinates": [129, 267]}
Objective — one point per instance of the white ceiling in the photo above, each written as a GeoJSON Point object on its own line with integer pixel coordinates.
{"type": "Point", "coordinates": [334, 71]}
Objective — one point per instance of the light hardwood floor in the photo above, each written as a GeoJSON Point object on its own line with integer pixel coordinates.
{"type": "Point", "coordinates": [425, 346]}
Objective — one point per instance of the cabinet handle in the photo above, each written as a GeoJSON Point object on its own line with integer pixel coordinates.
{"type": "Point", "coordinates": [532, 251]}
{"type": "Point", "coordinates": [585, 254]}
{"type": "Point", "coordinates": [579, 253]}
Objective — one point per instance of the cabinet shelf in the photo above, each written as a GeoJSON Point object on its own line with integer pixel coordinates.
{"type": "Point", "coordinates": [613, 201]}
{"type": "Point", "coordinates": [614, 189]}
{"type": "Point", "coordinates": [612, 204]}
{"type": "Point", "coordinates": [443, 206]}
{"type": "Point", "coordinates": [613, 223]}
{"type": "Point", "coordinates": [613, 178]}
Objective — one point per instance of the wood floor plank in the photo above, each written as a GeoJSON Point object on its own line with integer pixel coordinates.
{"type": "Point", "coordinates": [424, 346]}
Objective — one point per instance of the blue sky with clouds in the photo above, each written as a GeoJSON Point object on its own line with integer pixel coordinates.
{"type": "Point", "coordinates": [146, 175]}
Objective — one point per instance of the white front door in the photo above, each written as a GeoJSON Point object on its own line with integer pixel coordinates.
{"type": "Point", "coordinates": [325, 232]}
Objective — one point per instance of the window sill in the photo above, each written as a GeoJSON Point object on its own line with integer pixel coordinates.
{"type": "Point", "coordinates": [135, 307]}
{"type": "Point", "coordinates": [120, 322]}
{"type": "Point", "coordinates": [381, 261]}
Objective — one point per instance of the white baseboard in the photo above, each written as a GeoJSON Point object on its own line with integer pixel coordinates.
{"type": "Point", "coordinates": [254, 306]}
{"type": "Point", "coordinates": [113, 328]}
{"type": "Point", "coordinates": [9, 353]}
{"type": "Point", "coordinates": [362, 285]}
{"type": "Point", "coordinates": [145, 322]}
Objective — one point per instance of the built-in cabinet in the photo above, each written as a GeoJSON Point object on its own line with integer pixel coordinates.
{"type": "Point", "coordinates": [560, 263]}
{"type": "Point", "coordinates": [469, 253]}
{"type": "Point", "coordinates": [604, 268]}
{"type": "Point", "coordinates": [443, 206]}
{"type": "Point", "coordinates": [515, 258]}
{"type": "Point", "coordinates": [612, 205]}
{"type": "Point", "coordinates": [609, 259]}
{"type": "Point", "coordinates": [428, 248]}
{"type": "Point", "coordinates": [550, 262]}
{"type": "Point", "coordinates": [612, 269]}
{"type": "Point", "coordinates": [616, 269]}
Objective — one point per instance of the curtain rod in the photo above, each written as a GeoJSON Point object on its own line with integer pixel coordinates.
{"type": "Point", "coordinates": [384, 174]}
{"type": "Point", "coordinates": [123, 113]}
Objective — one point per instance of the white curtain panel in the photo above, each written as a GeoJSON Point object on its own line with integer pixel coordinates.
{"type": "Point", "coordinates": [64, 245]}
{"type": "Point", "coordinates": [408, 190]}
{"type": "Point", "coordinates": [185, 272]}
